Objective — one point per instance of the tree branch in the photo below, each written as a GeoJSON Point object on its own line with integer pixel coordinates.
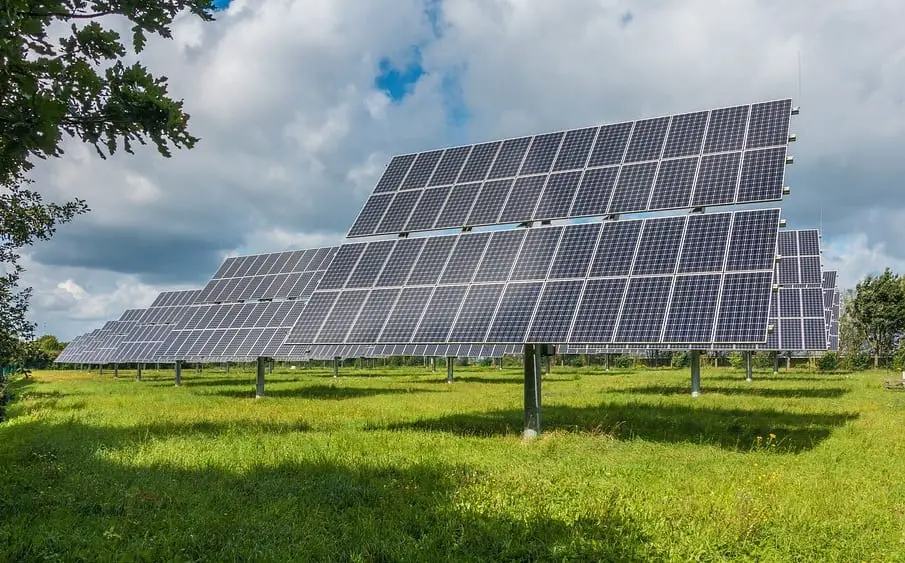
{"type": "Point", "coordinates": [68, 15]}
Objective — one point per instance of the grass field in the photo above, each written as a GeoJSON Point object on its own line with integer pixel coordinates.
{"type": "Point", "coordinates": [396, 465]}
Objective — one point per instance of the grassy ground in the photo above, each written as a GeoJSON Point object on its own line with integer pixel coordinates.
{"type": "Point", "coordinates": [397, 465]}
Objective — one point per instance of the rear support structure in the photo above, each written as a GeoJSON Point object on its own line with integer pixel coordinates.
{"type": "Point", "coordinates": [450, 368]}
{"type": "Point", "coordinates": [748, 367]}
{"type": "Point", "coordinates": [776, 363]}
{"type": "Point", "coordinates": [259, 385]}
{"type": "Point", "coordinates": [336, 367]}
{"type": "Point", "coordinates": [115, 371]}
{"type": "Point", "coordinates": [532, 371]}
{"type": "Point", "coordinates": [695, 373]}
{"type": "Point", "coordinates": [178, 373]}
{"type": "Point", "coordinates": [138, 373]}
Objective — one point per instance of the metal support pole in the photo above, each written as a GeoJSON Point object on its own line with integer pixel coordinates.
{"type": "Point", "coordinates": [748, 368]}
{"type": "Point", "coordinates": [335, 367]}
{"type": "Point", "coordinates": [450, 366]}
{"type": "Point", "coordinates": [138, 373]}
{"type": "Point", "coordinates": [695, 373]}
{"type": "Point", "coordinates": [259, 387]}
{"type": "Point", "coordinates": [178, 373]}
{"type": "Point", "coordinates": [198, 368]}
{"type": "Point", "coordinates": [115, 371]}
{"type": "Point", "coordinates": [607, 365]}
{"type": "Point", "coordinates": [100, 369]}
{"type": "Point", "coordinates": [270, 366]}
{"type": "Point", "coordinates": [433, 364]}
{"type": "Point", "coordinates": [789, 361]}
{"type": "Point", "coordinates": [227, 368]}
{"type": "Point", "coordinates": [532, 372]}
{"type": "Point", "coordinates": [776, 363]}
{"type": "Point", "coordinates": [547, 366]}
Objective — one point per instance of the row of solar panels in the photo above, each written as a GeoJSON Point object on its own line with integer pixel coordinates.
{"type": "Point", "coordinates": [801, 316]}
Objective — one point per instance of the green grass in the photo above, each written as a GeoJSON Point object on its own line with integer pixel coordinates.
{"type": "Point", "coordinates": [396, 465]}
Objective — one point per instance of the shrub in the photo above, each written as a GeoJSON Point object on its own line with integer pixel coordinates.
{"type": "Point", "coordinates": [622, 361]}
{"type": "Point", "coordinates": [736, 360]}
{"type": "Point", "coordinates": [763, 360]}
{"type": "Point", "coordinates": [680, 360]}
{"type": "Point", "coordinates": [829, 361]}
{"type": "Point", "coordinates": [859, 361]}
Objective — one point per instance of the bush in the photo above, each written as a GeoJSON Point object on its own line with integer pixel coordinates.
{"type": "Point", "coordinates": [680, 360]}
{"type": "Point", "coordinates": [763, 360]}
{"type": "Point", "coordinates": [829, 361]}
{"type": "Point", "coordinates": [622, 361]}
{"type": "Point", "coordinates": [736, 360]}
{"type": "Point", "coordinates": [859, 361]}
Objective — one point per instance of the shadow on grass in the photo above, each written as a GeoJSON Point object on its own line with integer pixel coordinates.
{"type": "Point", "coordinates": [731, 429]}
{"type": "Point", "coordinates": [504, 380]}
{"type": "Point", "coordinates": [751, 391]}
{"type": "Point", "coordinates": [328, 392]}
{"type": "Point", "coordinates": [323, 509]}
{"type": "Point", "coordinates": [770, 377]}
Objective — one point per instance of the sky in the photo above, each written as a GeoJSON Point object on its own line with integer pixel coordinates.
{"type": "Point", "coordinates": [299, 105]}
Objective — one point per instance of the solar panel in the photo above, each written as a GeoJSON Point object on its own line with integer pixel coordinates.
{"type": "Point", "coordinates": [624, 275]}
{"type": "Point", "coordinates": [723, 156]}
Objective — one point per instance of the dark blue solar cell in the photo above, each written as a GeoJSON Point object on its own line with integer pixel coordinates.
{"type": "Point", "coordinates": [373, 315]}
{"type": "Point", "coordinates": [609, 147]}
{"type": "Point", "coordinates": [499, 256]}
{"type": "Point", "coordinates": [717, 179]}
{"type": "Point", "coordinates": [478, 163]}
{"type": "Point", "coordinates": [457, 207]}
{"type": "Point", "coordinates": [340, 319]}
{"type": "Point", "coordinates": [477, 311]}
{"type": "Point", "coordinates": [809, 267]}
{"type": "Point", "coordinates": [726, 129]}
{"type": "Point", "coordinates": [594, 192]}
{"type": "Point", "coordinates": [555, 310]}
{"type": "Point", "coordinates": [440, 314]}
{"type": "Point", "coordinates": [557, 197]}
{"type": "Point", "coordinates": [812, 302]}
{"type": "Point", "coordinates": [744, 307]}
{"type": "Point", "coordinates": [814, 334]}
{"type": "Point", "coordinates": [647, 140]}
{"type": "Point", "coordinates": [686, 133]}
{"type": "Point", "coordinates": [616, 248]}
{"type": "Point", "coordinates": [809, 242]}
{"type": "Point", "coordinates": [509, 159]}
{"type": "Point", "coordinates": [314, 314]}
{"type": "Point", "coordinates": [791, 334]}
{"type": "Point", "coordinates": [752, 245]}
{"type": "Point", "coordinates": [633, 188]}
{"type": "Point", "coordinates": [522, 199]}
{"type": "Point", "coordinates": [400, 263]}
{"type": "Point", "coordinates": [432, 260]}
{"type": "Point", "coordinates": [490, 202]}
{"type": "Point", "coordinates": [658, 249]}
{"type": "Point", "coordinates": [428, 209]}
{"type": "Point", "coordinates": [644, 310]}
{"type": "Point", "coordinates": [370, 215]}
{"type": "Point", "coordinates": [575, 149]}
{"type": "Point", "coordinates": [674, 183]}
{"type": "Point", "coordinates": [394, 174]}
{"type": "Point", "coordinates": [789, 302]}
{"type": "Point", "coordinates": [762, 175]}
{"type": "Point", "coordinates": [788, 271]}
{"type": "Point", "coordinates": [370, 264]}
{"type": "Point", "coordinates": [692, 309]}
{"type": "Point", "coordinates": [421, 170]}
{"type": "Point", "coordinates": [541, 154]}
{"type": "Point", "coordinates": [448, 169]}
{"type": "Point", "coordinates": [515, 312]}
{"type": "Point", "coordinates": [787, 243]}
{"type": "Point", "coordinates": [346, 257]}
{"type": "Point", "coordinates": [402, 322]}
{"type": "Point", "coordinates": [399, 211]}
{"type": "Point", "coordinates": [465, 258]}
{"type": "Point", "coordinates": [769, 124]}
{"type": "Point", "coordinates": [575, 251]}
{"type": "Point", "coordinates": [534, 258]}
{"type": "Point", "coordinates": [595, 321]}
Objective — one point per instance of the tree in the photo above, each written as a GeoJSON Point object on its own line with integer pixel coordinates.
{"type": "Point", "coordinates": [852, 338]}
{"type": "Point", "coordinates": [77, 86]}
{"type": "Point", "coordinates": [878, 310]}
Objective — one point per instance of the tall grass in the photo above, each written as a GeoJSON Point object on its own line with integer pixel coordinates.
{"type": "Point", "coordinates": [398, 465]}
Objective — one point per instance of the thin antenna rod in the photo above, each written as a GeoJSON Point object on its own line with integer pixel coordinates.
{"type": "Point", "coordinates": [799, 74]}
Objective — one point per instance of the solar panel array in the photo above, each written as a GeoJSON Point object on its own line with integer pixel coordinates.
{"type": "Point", "coordinates": [281, 275]}
{"type": "Point", "coordinates": [707, 158]}
{"type": "Point", "coordinates": [703, 279]}
{"type": "Point", "coordinates": [153, 325]}
{"type": "Point", "coordinates": [831, 308]}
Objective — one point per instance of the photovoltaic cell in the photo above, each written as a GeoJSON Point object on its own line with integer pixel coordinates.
{"type": "Point", "coordinates": [515, 312]}
{"type": "Point", "coordinates": [644, 310]}
{"type": "Point", "coordinates": [717, 179]}
{"type": "Point", "coordinates": [594, 192]}
{"type": "Point", "coordinates": [557, 196]}
{"type": "Point", "coordinates": [745, 304]}
{"type": "Point", "coordinates": [395, 173]}
{"type": "Point", "coordinates": [752, 243]}
{"type": "Point", "coordinates": [341, 267]}
{"type": "Point", "coordinates": [633, 187]}
{"type": "Point", "coordinates": [599, 308]}
{"type": "Point", "coordinates": [373, 314]}
{"type": "Point", "coordinates": [509, 159]}
{"type": "Point", "coordinates": [490, 202]}
{"type": "Point", "coordinates": [576, 147]}
{"type": "Point", "coordinates": [465, 258]}
{"type": "Point", "coordinates": [371, 215]}
{"type": "Point", "coordinates": [440, 313]}
{"type": "Point", "coordinates": [658, 249]}
{"type": "Point", "coordinates": [398, 213]}
{"type": "Point", "coordinates": [647, 140]}
{"type": "Point", "coordinates": [370, 264]}
{"type": "Point", "coordinates": [421, 170]}
{"type": "Point", "coordinates": [541, 154]}
{"type": "Point", "coordinates": [399, 265]}
{"type": "Point", "coordinates": [427, 209]}
{"type": "Point", "coordinates": [674, 183]}
{"type": "Point", "coordinates": [685, 135]}
{"type": "Point", "coordinates": [616, 248]}
{"type": "Point", "coordinates": [534, 259]}
{"type": "Point", "coordinates": [762, 175]}
{"type": "Point", "coordinates": [769, 124]}
{"type": "Point", "coordinates": [692, 310]}
{"type": "Point", "coordinates": [609, 147]}
{"type": "Point", "coordinates": [432, 260]}
{"type": "Point", "coordinates": [522, 199]}
{"type": "Point", "coordinates": [726, 130]}
{"type": "Point", "coordinates": [809, 242]}
{"type": "Point", "coordinates": [575, 251]}
{"type": "Point", "coordinates": [402, 321]}
{"type": "Point", "coordinates": [458, 205]}
{"type": "Point", "coordinates": [478, 163]}
{"type": "Point", "coordinates": [790, 302]}
{"type": "Point", "coordinates": [450, 164]}
{"type": "Point", "coordinates": [499, 256]}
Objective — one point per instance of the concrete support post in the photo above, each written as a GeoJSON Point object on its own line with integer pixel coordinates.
{"type": "Point", "coordinates": [547, 366]}
{"type": "Point", "coordinates": [532, 371]}
{"type": "Point", "coordinates": [178, 373]}
{"type": "Point", "coordinates": [607, 365]}
{"type": "Point", "coordinates": [270, 366]}
{"type": "Point", "coordinates": [227, 368]}
{"type": "Point", "coordinates": [335, 367]}
{"type": "Point", "coordinates": [748, 367]}
{"type": "Point", "coordinates": [100, 369]}
{"type": "Point", "coordinates": [115, 371]}
{"type": "Point", "coordinates": [259, 386]}
{"type": "Point", "coordinates": [695, 373]}
{"type": "Point", "coordinates": [138, 373]}
{"type": "Point", "coordinates": [433, 363]}
{"type": "Point", "coordinates": [450, 367]}
{"type": "Point", "coordinates": [776, 363]}
{"type": "Point", "coordinates": [788, 361]}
